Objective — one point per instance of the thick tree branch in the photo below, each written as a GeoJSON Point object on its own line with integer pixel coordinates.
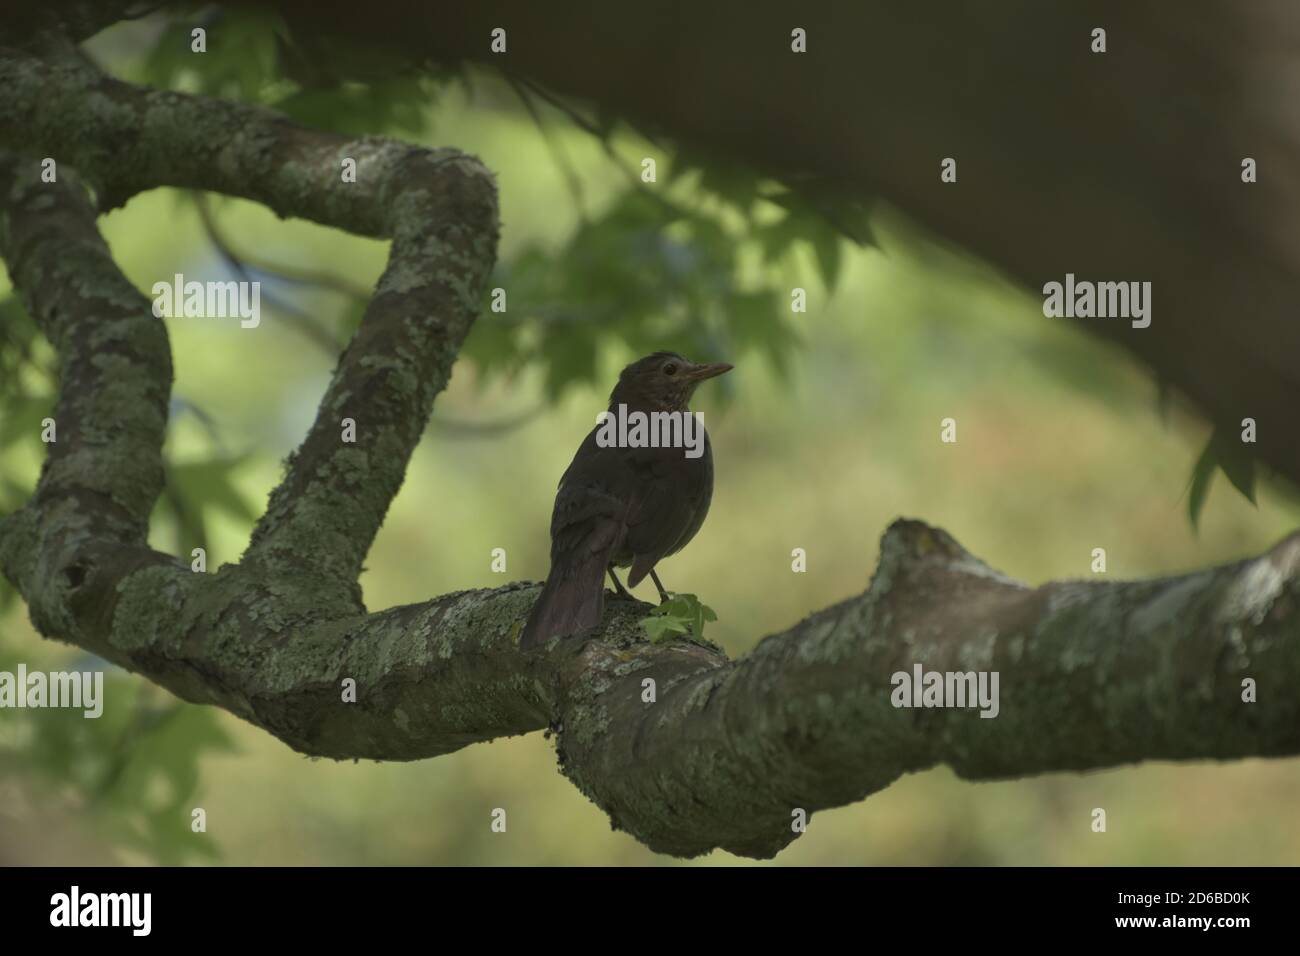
{"type": "Point", "coordinates": [438, 207]}
{"type": "Point", "coordinates": [104, 468]}
{"type": "Point", "coordinates": [1091, 674]}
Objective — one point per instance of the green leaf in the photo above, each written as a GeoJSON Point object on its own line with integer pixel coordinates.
{"type": "Point", "coordinates": [1223, 452]}
{"type": "Point", "coordinates": [817, 206]}
{"type": "Point", "coordinates": [826, 245]}
{"type": "Point", "coordinates": [1202, 474]}
{"type": "Point", "coordinates": [1237, 463]}
{"type": "Point", "coordinates": [680, 614]}
{"type": "Point", "coordinates": [735, 185]}
{"type": "Point", "coordinates": [661, 628]}
{"type": "Point", "coordinates": [776, 238]}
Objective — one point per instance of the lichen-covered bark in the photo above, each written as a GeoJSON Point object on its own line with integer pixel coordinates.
{"type": "Point", "coordinates": [682, 747]}
{"type": "Point", "coordinates": [104, 470]}
{"type": "Point", "coordinates": [1092, 674]}
{"type": "Point", "coordinates": [438, 207]}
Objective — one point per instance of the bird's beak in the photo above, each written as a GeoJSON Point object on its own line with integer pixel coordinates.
{"type": "Point", "coordinates": [699, 373]}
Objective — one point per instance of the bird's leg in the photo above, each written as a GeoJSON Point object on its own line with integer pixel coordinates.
{"type": "Point", "coordinates": [663, 595]}
{"type": "Point", "coordinates": [618, 585]}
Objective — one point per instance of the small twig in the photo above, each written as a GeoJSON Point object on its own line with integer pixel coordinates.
{"type": "Point", "coordinates": [577, 118]}
{"type": "Point", "coordinates": [298, 318]}
{"type": "Point", "coordinates": [459, 428]}
{"type": "Point", "coordinates": [558, 156]}
{"type": "Point", "coordinates": [295, 274]}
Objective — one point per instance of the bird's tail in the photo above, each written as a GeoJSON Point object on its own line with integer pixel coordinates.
{"type": "Point", "coordinates": [572, 599]}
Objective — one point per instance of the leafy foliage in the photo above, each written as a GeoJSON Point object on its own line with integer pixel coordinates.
{"type": "Point", "coordinates": [681, 614]}
{"type": "Point", "coordinates": [646, 274]}
{"type": "Point", "coordinates": [239, 61]}
{"type": "Point", "coordinates": [659, 268]}
{"type": "Point", "coordinates": [664, 267]}
{"type": "Point", "coordinates": [252, 56]}
{"type": "Point", "coordinates": [136, 766]}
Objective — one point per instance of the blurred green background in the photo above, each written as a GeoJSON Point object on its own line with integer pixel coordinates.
{"type": "Point", "coordinates": [827, 431]}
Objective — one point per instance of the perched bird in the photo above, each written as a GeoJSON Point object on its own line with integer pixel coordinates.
{"type": "Point", "coordinates": [626, 504]}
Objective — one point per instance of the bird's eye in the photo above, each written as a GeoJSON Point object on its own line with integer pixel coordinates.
{"type": "Point", "coordinates": [670, 368]}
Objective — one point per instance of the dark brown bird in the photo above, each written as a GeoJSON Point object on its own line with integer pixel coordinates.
{"type": "Point", "coordinates": [621, 506]}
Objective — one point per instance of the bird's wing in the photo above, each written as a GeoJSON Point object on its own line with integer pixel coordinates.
{"type": "Point", "coordinates": [592, 502]}
{"type": "Point", "coordinates": [642, 501]}
{"type": "Point", "coordinates": [669, 490]}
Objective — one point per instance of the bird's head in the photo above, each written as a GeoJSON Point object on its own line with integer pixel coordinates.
{"type": "Point", "coordinates": [662, 381]}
